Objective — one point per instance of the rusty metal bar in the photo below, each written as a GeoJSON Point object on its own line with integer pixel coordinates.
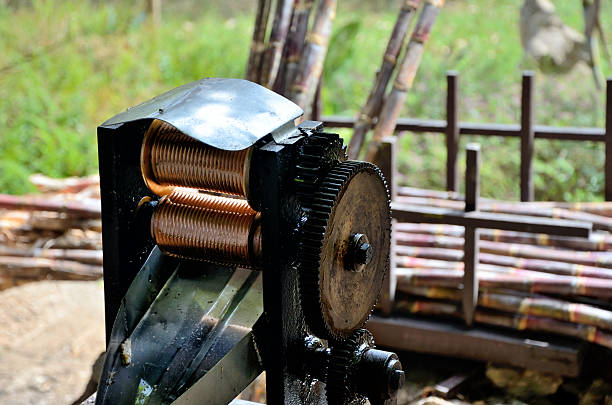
{"type": "Point", "coordinates": [527, 137]}
{"type": "Point", "coordinates": [469, 128]}
{"type": "Point", "coordinates": [608, 137]}
{"type": "Point", "coordinates": [452, 130]}
{"type": "Point", "coordinates": [433, 215]}
{"type": "Point", "coordinates": [472, 236]}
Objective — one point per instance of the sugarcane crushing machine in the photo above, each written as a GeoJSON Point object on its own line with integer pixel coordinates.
{"type": "Point", "coordinates": [236, 242]}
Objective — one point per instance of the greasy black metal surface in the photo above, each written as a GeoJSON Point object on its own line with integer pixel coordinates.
{"type": "Point", "coordinates": [283, 330]}
{"type": "Point", "coordinates": [229, 114]}
{"type": "Point", "coordinates": [126, 245]}
{"type": "Point", "coordinates": [283, 325]}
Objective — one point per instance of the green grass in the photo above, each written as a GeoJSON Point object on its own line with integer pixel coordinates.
{"type": "Point", "coordinates": [65, 67]}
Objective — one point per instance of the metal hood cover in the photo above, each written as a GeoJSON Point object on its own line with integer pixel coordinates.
{"type": "Point", "coordinates": [229, 114]}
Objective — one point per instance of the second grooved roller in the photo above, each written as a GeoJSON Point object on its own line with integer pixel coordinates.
{"type": "Point", "coordinates": [196, 225]}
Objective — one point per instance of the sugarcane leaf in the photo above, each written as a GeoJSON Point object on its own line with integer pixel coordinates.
{"type": "Point", "coordinates": [341, 46]}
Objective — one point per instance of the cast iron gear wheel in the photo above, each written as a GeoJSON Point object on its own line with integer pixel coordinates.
{"type": "Point", "coordinates": [351, 204]}
{"type": "Point", "coordinates": [340, 374]}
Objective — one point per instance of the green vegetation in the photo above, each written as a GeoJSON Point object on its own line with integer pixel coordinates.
{"type": "Point", "coordinates": [65, 67]}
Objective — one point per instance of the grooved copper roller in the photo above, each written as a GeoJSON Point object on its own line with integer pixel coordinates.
{"type": "Point", "coordinates": [200, 226]}
{"type": "Point", "coordinates": [171, 159]}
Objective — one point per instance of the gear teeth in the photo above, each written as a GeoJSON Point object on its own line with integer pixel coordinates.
{"type": "Point", "coordinates": [319, 152]}
{"type": "Point", "coordinates": [311, 244]}
{"type": "Point", "coordinates": [344, 357]}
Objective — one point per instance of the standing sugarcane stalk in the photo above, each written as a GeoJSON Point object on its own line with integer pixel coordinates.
{"type": "Point", "coordinates": [405, 76]}
{"type": "Point", "coordinates": [562, 285]}
{"type": "Point", "coordinates": [294, 45]}
{"type": "Point", "coordinates": [373, 105]}
{"type": "Point", "coordinates": [310, 68]}
{"type": "Point", "coordinates": [544, 266]}
{"type": "Point", "coordinates": [258, 45]}
{"type": "Point", "coordinates": [271, 61]}
{"type": "Point", "coordinates": [537, 306]}
{"type": "Point", "coordinates": [518, 322]}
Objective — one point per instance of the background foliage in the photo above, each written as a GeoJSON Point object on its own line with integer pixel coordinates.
{"type": "Point", "coordinates": [66, 66]}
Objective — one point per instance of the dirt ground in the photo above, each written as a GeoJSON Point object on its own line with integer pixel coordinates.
{"type": "Point", "coordinates": [51, 332]}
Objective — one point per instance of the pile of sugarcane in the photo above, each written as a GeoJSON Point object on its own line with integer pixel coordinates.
{"type": "Point", "coordinates": [542, 283]}
{"type": "Point", "coordinates": [52, 235]}
{"type": "Point", "coordinates": [290, 60]}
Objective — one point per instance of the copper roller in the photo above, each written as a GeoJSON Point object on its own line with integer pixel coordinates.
{"type": "Point", "coordinates": [194, 225]}
{"type": "Point", "coordinates": [171, 159]}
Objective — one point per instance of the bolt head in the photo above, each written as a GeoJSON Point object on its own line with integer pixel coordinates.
{"type": "Point", "coordinates": [364, 253]}
{"type": "Point", "coordinates": [360, 253]}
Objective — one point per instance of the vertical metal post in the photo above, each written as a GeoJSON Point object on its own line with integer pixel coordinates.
{"type": "Point", "coordinates": [608, 168]}
{"type": "Point", "coordinates": [472, 234]}
{"type": "Point", "coordinates": [317, 104]}
{"type": "Point", "coordinates": [385, 160]}
{"type": "Point", "coordinates": [472, 177]}
{"type": "Point", "coordinates": [452, 130]}
{"type": "Point", "coordinates": [527, 137]}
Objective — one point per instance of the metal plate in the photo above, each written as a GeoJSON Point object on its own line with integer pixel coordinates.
{"type": "Point", "coordinates": [229, 114]}
{"type": "Point", "coordinates": [195, 319]}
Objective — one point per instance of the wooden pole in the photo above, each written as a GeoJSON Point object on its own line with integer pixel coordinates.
{"type": "Point", "coordinates": [608, 168]}
{"type": "Point", "coordinates": [527, 137]}
{"type": "Point", "coordinates": [452, 130]}
{"type": "Point", "coordinates": [472, 237]}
